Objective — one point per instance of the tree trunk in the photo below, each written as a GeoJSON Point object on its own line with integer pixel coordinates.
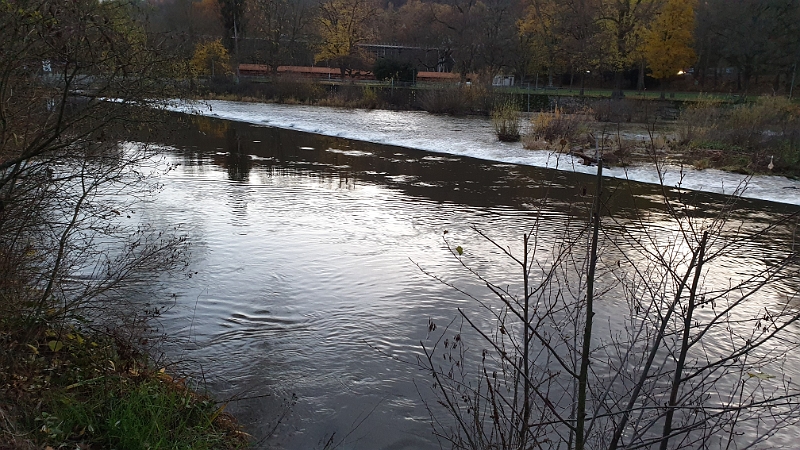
{"type": "Point", "coordinates": [583, 82]}
{"type": "Point", "coordinates": [640, 80]}
{"type": "Point", "coordinates": [716, 76]}
{"type": "Point", "coordinates": [617, 92]}
{"type": "Point", "coordinates": [571, 75]}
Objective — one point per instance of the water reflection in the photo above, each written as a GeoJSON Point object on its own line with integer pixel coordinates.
{"type": "Point", "coordinates": [303, 252]}
{"type": "Point", "coordinates": [238, 157]}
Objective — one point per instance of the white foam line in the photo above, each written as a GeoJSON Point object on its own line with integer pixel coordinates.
{"type": "Point", "coordinates": [474, 137]}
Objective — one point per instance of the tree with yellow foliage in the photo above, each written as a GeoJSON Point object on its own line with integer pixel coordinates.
{"type": "Point", "coordinates": [541, 31]}
{"type": "Point", "coordinates": [343, 25]}
{"type": "Point", "coordinates": [668, 43]}
{"type": "Point", "coordinates": [622, 23]}
{"type": "Point", "coordinates": [211, 59]}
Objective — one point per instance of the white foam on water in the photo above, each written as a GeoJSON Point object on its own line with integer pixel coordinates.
{"type": "Point", "coordinates": [474, 137]}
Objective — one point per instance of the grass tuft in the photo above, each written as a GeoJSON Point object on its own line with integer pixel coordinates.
{"type": "Point", "coordinates": [505, 118]}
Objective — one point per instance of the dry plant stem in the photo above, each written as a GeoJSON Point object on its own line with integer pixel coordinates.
{"type": "Point", "coordinates": [62, 245]}
{"type": "Point", "coordinates": [656, 346]}
{"type": "Point", "coordinates": [589, 315]}
{"type": "Point", "coordinates": [526, 345]}
{"type": "Point", "coordinates": [658, 382]}
{"type": "Point", "coordinates": [450, 402]}
{"type": "Point", "coordinates": [687, 324]}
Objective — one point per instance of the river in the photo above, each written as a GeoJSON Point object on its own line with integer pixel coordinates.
{"type": "Point", "coordinates": [307, 292]}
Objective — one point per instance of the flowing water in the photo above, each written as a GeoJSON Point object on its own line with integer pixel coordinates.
{"type": "Point", "coordinates": [307, 291]}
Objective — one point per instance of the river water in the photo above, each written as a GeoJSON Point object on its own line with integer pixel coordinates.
{"type": "Point", "coordinates": [307, 292]}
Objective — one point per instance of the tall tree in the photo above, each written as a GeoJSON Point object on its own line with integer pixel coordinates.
{"type": "Point", "coordinates": [541, 29]}
{"type": "Point", "coordinates": [342, 26]}
{"type": "Point", "coordinates": [745, 29]}
{"type": "Point", "coordinates": [232, 12]}
{"type": "Point", "coordinates": [668, 43]}
{"type": "Point", "coordinates": [461, 20]}
{"type": "Point", "coordinates": [623, 22]}
{"type": "Point", "coordinates": [786, 39]}
{"type": "Point", "coordinates": [580, 31]}
{"type": "Point", "coordinates": [497, 36]}
{"type": "Point", "coordinates": [278, 26]}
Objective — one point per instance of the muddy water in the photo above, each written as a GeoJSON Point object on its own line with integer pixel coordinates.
{"type": "Point", "coordinates": [307, 300]}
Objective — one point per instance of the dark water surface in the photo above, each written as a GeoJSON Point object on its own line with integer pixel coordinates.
{"type": "Point", "coordinates": [306, 248]}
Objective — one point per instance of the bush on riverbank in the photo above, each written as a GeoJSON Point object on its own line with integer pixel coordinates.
{"type": "Point", "coordinates": [505, 118]}
{"type": "Point", "coordinates": [742, 138]}
{"type": "Point", "coordinates": [548, 129]}
{"type": "Point", "coordinates": [745, 138]}
{"type": "Point", "coordinates": [445, 99]}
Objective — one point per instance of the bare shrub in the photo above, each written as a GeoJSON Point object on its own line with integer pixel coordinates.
{"type": "Point", "coordinates": [443, 101]}
{"type": "Point", "coordinates": [68, 181]}
{"type": "Point", "coordinates": [751, 135]}
{"type": "Point", "coordinates": [557, 126]}
{"type": "Point", "coordinates": [505, 118]}
{"type": "Point", "coordinates": [695, 358]}
{"type": "Point", "coordinates": [456, 100]}
{"type": "Point", "coordinates": [631, 110]}
{"type": "Point", "coordinates": [698, 118]}
{"type": "Point", "coordinates": [296, 91]}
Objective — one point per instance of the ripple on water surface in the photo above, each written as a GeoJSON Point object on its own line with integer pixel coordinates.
{"type": "Point", "coordinates": [307, 280]}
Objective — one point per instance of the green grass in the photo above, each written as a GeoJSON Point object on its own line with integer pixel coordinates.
{"type": "Point", "coordinates": [157, 416]}
{"type": "Point", "coordinates": [152, 414]}
{"type": "Point", "coordinates": [74, 390]}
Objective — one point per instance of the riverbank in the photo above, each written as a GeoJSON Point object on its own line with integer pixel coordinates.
{"type": "Point", "coordinates": [64, 387]}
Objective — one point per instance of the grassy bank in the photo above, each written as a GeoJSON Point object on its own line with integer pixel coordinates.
{"type": "Point", "coordinates": [68, 388]}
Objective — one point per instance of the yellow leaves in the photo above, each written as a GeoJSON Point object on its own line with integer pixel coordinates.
{"type": "Point", "coordinates": [342, 26]}
{"type": "Point", "coordinates": [211, 59]}
{"type": "Point", "coordinates": [76, 337]}
{"type": "Point", "coordinates": [216, 413]}
{"type": "Point", "coordinates": [539, 30]}
{"type": "Point", "coordinates": [668, 42]}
